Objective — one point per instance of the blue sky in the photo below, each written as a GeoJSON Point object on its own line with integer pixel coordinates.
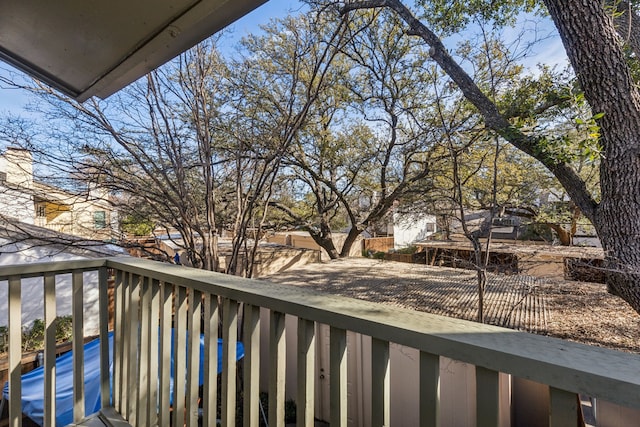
{"type": "Point", "coordinates": [262, 15]}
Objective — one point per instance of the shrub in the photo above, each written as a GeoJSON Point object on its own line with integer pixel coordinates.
{"type": "Point", "coordinates": [33, 336]}
{"type": "Point", "coordinates": [409, 250]}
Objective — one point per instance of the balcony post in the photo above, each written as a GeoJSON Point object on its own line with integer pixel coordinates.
{"type": "Point", "coordinates": [429, 389]}
{"type": "Point", "coordinates": [277, 371]}
{"type": "Point", "coordinates": [118, 340]}
{"type": "Point", "coordinates": [229, 341]}
{"type": "Point", "coordinates": [133, 357]}
{"type": "Point", "coordinates": [193, 356]}
{"type": "Point", "coordinates": [306, 372]}
{"type": "Point", "coordinates": [179, 356]}
{"type": "Point", "coordinates": [103, 304]}
{"type": "Point", "coordinates": [210, 388]}
{"type": "Point", "coordinates": [49, 349]}
{"type": "Point", "coordinates": [380, 383]}
{"type": "Point", "coordinates": [251, 338]}
{"type": "Point", "coordinates": [77, 310]}
{"type": "Point", "coordinates": [154, 349]}
{"type": "Point", "coordinates": [143, 402]}
{"type": "Point", "coordinates": [563, 408]}
{"type": "Point", "coordinates": [166, 309]}
{"type": "Point", "coordinates": [15, 352]}
{"type": "Point", "coordinates": [487, 397]}
{"type": "Point", "coordinates": [124, 351]}
{"type": "Point", "coordinates": [338, 376]}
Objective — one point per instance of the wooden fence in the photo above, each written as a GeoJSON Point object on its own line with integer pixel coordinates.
{"type": "Point", "coordinates": [377, 244]}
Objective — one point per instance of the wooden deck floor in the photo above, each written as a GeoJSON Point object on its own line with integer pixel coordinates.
{"type": "Point", "coordinates": [510, 300]}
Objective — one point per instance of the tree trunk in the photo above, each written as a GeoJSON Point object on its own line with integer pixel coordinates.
{"type": "Point", "coordinates": [349, 241]}
{"type": "Point", "coordinates": [481, 272]}
{"type": "Point", "coordinates": [324, 239]}
{"type": "Point", "coordinates": [326, 243]}
{"type": "Point", "coordinates": [595, 51]}
{"type": "Point", "coordinates": [564, 236]}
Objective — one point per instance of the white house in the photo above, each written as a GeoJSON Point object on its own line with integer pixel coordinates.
{"type": "Point", "coordinates": [86, 214]}
{"type": "Point", "coordinates": [409, 228]}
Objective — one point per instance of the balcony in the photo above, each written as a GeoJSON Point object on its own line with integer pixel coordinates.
{"type": "Point", "coordinates": [283, 328]}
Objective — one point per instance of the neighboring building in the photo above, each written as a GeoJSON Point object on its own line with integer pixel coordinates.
{"type": "Point", "coordinates": [409, 228]}
{"type": "Point", "coordinates": [22, 244]}
{"type": "Point", "coordinates": [501, 226]}
{"type": "Point", "coordinates": [87, 214]}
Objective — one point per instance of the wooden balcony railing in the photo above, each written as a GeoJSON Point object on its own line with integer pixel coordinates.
{"type": "Point", "coordinates": [152, 297]}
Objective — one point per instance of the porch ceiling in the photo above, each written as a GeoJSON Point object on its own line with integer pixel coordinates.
{"type": "Point", "coordinates": [95, 47]}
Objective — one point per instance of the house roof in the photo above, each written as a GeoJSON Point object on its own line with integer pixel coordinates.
{"type": "Point", "coordinates": [86, 48]}
{"type": "Point", "coordinates": [50, 193]}
{"type": "Point", "coordinates": [13, 231]}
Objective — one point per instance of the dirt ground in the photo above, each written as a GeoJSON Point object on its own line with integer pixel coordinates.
{"type": "Point", "coordinates": [587, 313]}
{"type": "Point", "coordinates": [577, 311]}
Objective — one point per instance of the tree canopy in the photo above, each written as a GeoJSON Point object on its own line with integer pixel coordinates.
{"type": "Point", "coordinates": [601, 54]}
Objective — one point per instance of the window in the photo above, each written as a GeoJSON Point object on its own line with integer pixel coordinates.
{"type": "Point", "coordinates": [504, 222]}
{"type": "Point", "coordinates": [431, 227]}
{"type": "Point", "coordinates": [100, 219]}
{"type": "Point", "coordinates": [41, 211]}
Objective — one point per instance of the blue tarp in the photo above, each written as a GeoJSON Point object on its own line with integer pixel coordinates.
{"type": "Point", "coordinates": [33, 382]}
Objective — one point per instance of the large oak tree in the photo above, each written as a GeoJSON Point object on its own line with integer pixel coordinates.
{"type": "Point", "coordinates": [603, 66]}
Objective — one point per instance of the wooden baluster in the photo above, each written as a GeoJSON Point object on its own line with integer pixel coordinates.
{"type": "Point", "coordinates": [143, 369]}
{"type": "Point", "coordinates": [429, 389]}
{"type": "Point", "coordinates": [154, 353]}
{"type": "Point", "coordinates": [487, 397]}
{"type": "Point", "coordinates": [338, 376]}
{"type": "Point", "coordinates": [15, 352]}
{"type": "Point", "coordinates": [77, 310]}
{"type": "Point", "coordinates": [229, 342]}
{"type": "Point", "coordinates": [563, 408]}
{"type": "Point", "coordinates": [193, 356]}
{"type": "Point", "coordinates": [49, 414]}
{"type": "Point", "coordinates": [210, 388]}
{"type": "Point", "coordinates": [179, 356]}
{"type": "Point", "coordinates": [164, 369]}
{"type": "Point", "coordinates": [133, 333]}
{"type": "Point", "coordinates": [306, 373]}
{"type": "Point", "coordinates": [277, 368]}
{"type": "Point", "coordinates": [251, 415]}
{"type": "Point", "coordinates": [380, 385]}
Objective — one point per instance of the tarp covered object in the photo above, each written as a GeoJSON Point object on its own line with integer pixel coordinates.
{"type": "Point", "coordinates": [33, 382]}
